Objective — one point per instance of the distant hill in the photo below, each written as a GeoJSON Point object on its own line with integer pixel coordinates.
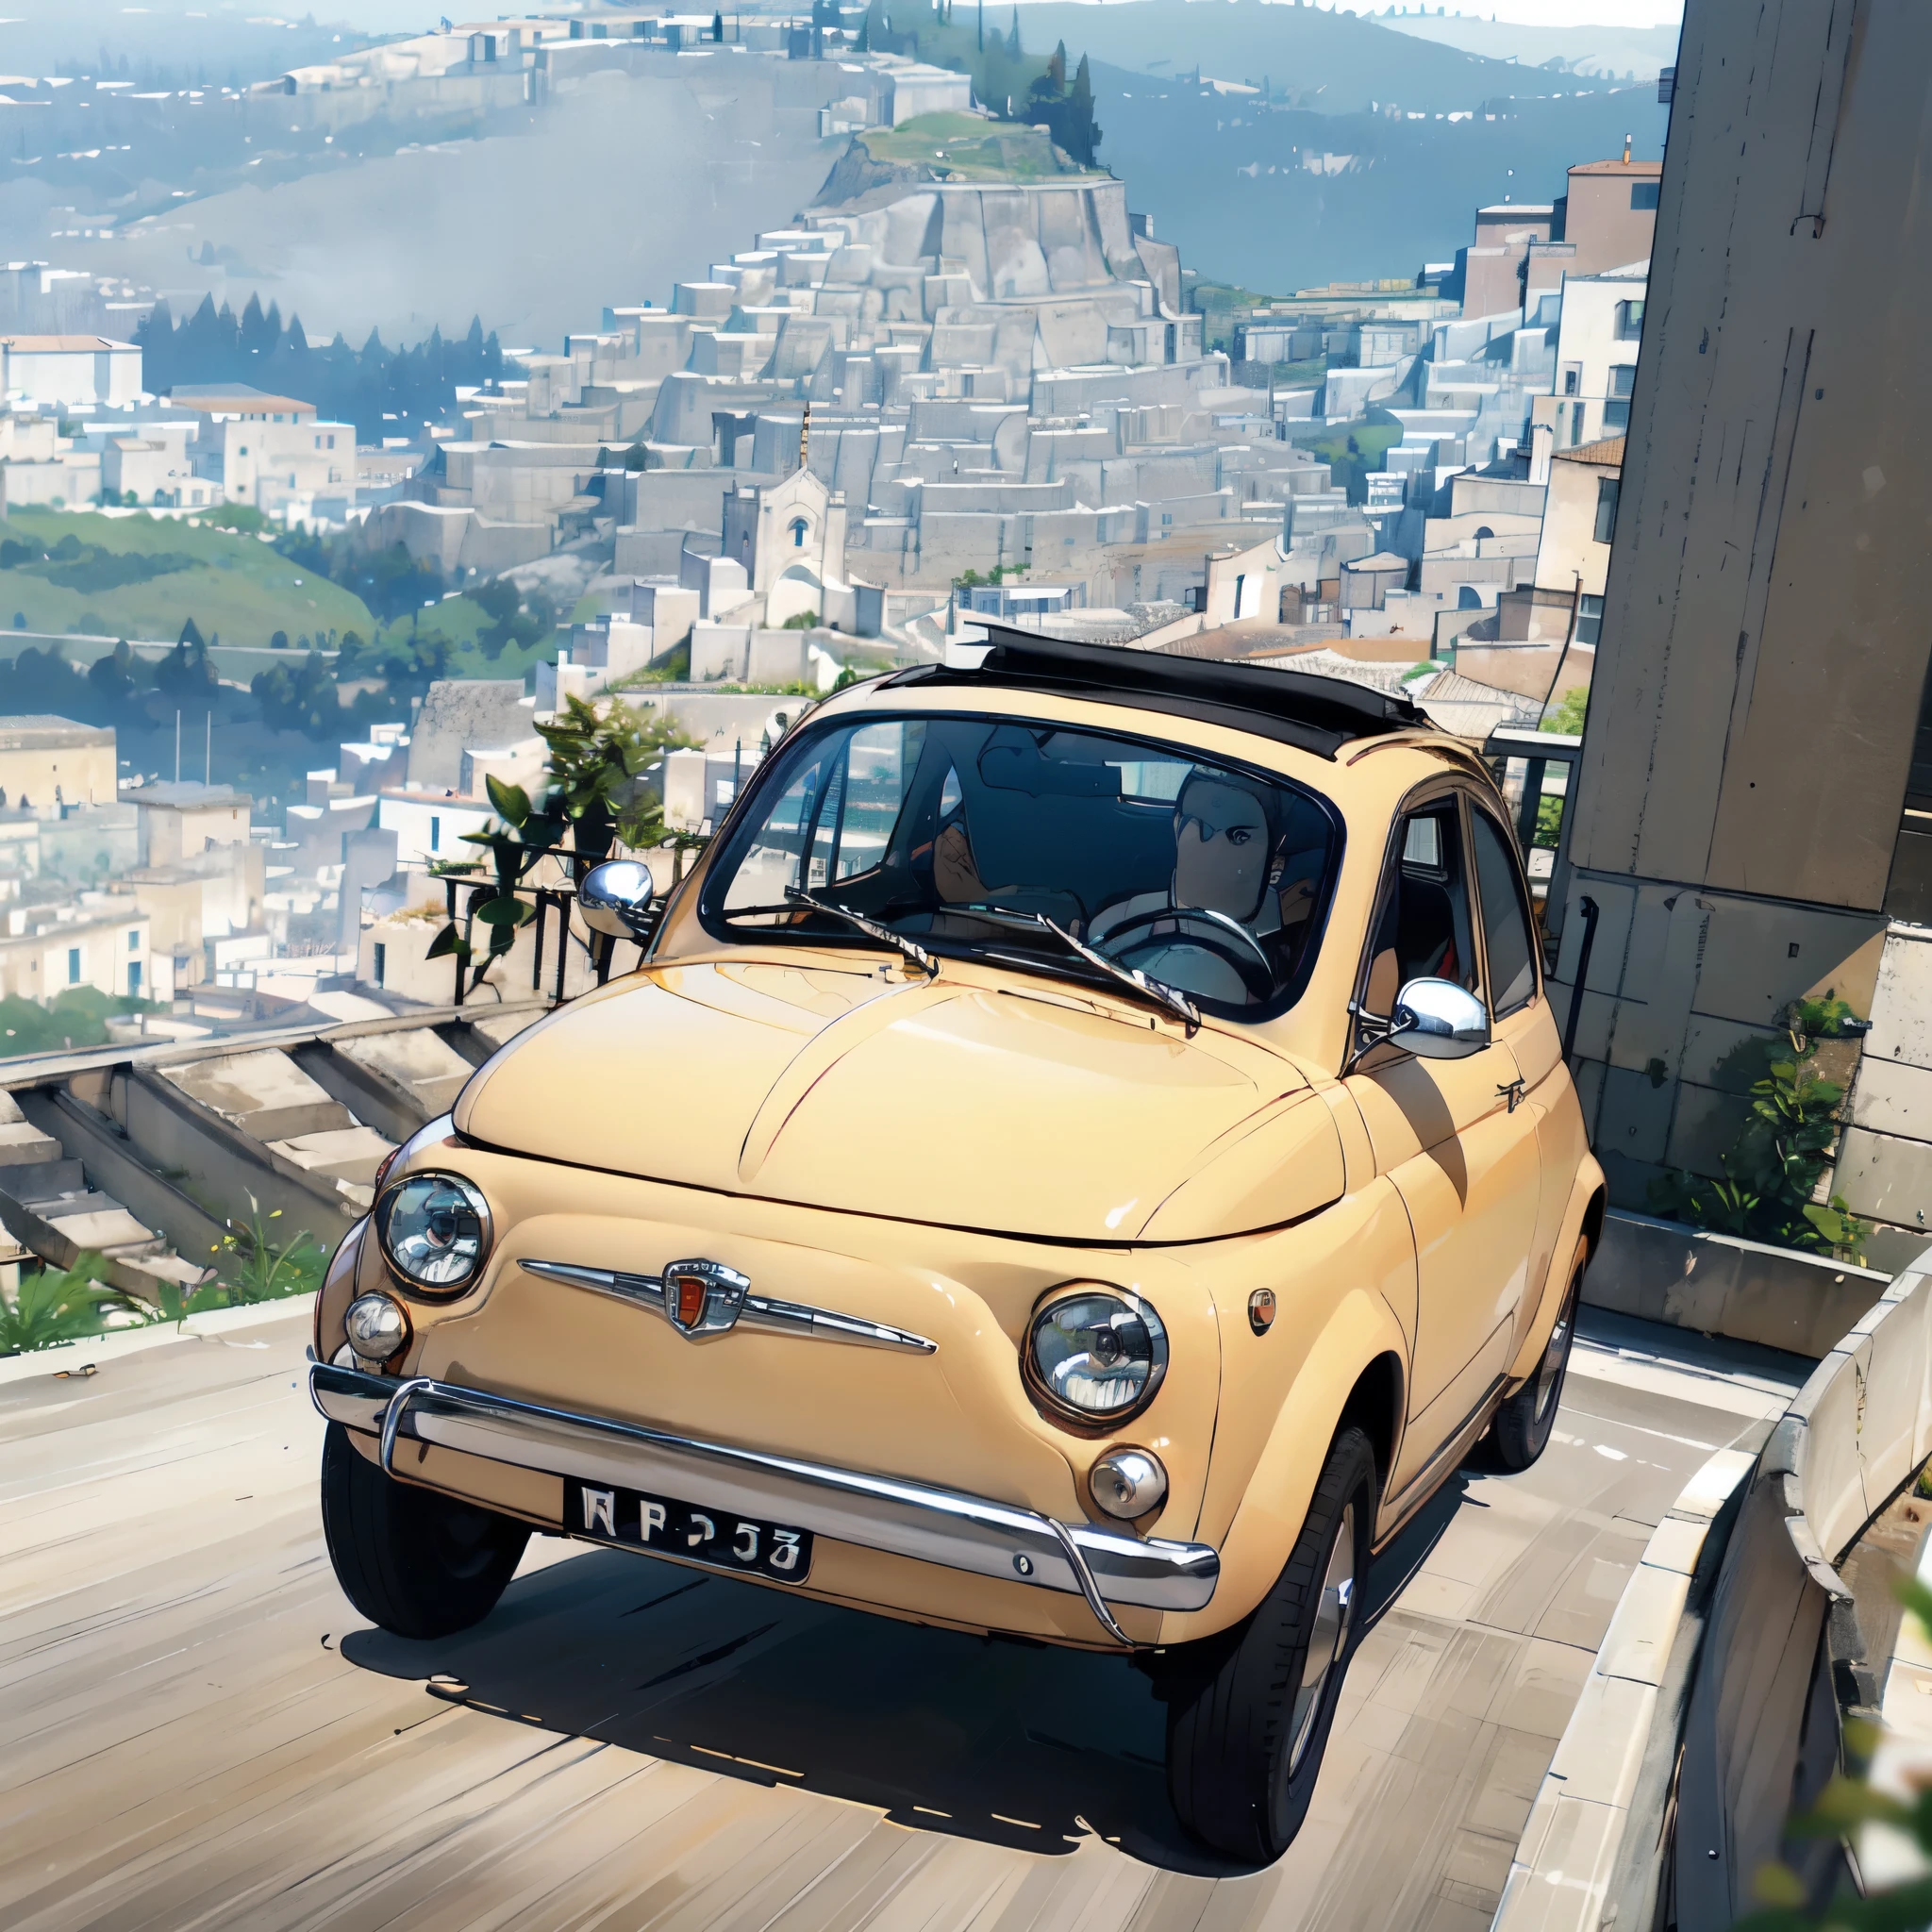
{"type": "Point", "coordinates": [1332, 62]}
{"type": "Point", "coordinates": [163, 45]}
{"type": "Point", "coordinates": [1634, 50]}
{"type": "Point", "coordinates": [1276, 198]}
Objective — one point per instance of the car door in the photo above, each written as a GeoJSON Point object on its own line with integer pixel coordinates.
{"type": "Point", "coordinates": [1449, 1133]}
{"type": "Point", "coordinates": [1523, 1022]}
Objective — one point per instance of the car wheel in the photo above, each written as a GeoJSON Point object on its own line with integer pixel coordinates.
{"type": "Point", "coordinates": [415, 1562]}
{"type": "Point", "coordinates": [1521, 1431]}
{"type": "Point", "coordinates": [1248, 1713]}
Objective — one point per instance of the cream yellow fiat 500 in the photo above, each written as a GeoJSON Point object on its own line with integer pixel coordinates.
{"type": "Point", "coordinates": [1087, 1153]}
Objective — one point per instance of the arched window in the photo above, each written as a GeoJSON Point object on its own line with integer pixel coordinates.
{"type": "Point", "coordinates": [798, 530]}
{"type": "Point", "coordinates": [1483, 530]}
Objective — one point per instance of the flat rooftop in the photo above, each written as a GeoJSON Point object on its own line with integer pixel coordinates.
{"type": "Point", "coordinates": [39, 731]}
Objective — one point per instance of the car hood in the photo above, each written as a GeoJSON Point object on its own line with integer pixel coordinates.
{"type": "Point", "coordinates": [1016, 1110]}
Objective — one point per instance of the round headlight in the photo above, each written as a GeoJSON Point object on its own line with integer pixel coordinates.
{"type": "Point", "coordinates": [1096, 1354]}
{"type": "Point", "coordinates": [435, 1231]}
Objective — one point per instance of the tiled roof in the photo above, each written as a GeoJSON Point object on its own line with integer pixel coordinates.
{"type": "Point", "coordinates": [60, 345]}
{"type": "Point", "coordinates": [1608, 452]}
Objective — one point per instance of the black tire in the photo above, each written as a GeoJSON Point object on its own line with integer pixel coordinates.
{"type": "Point", "coordinates": [1521, 1431]}
{"type": "Point", "coordinates": [1248, 1712]}
{"type": "Point", "coordinates": [415, 1562]}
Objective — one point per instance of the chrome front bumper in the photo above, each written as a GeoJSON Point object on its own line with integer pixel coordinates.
{"type": "Point", "coordinates": [905, 1519]}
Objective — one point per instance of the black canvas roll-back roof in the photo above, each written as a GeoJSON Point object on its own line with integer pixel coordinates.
{"type": "Point", "coordinates": [1298, 708]}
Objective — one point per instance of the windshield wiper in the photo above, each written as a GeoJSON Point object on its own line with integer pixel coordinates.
{"type": "Point", "coordinates": [1170, 999]}
{"type": "Point", "coordinates": [912, 953]}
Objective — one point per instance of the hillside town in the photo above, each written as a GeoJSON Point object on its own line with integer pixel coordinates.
{"type": "Point", "coordinates": [934, 400]}
{"type": "Point", "coordinates": [967, 385]}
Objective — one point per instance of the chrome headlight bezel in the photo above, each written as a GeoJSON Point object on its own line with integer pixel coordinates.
{"type": "Point", "coordinates": [412, 1280]}
{"type": "Point", "coordinates": [1050, 1394]}
{"type": "Point", "coordinates": [371, 1339]}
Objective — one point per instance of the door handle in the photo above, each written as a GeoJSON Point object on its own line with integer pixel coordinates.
{"type": "Point", "coordinates": [1512, 1091]}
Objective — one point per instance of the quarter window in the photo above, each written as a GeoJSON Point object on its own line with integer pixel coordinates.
{"type": "Point", "coordinates": [1423, 930]}
{"type": "Point", "coordinates": [1506, 919]}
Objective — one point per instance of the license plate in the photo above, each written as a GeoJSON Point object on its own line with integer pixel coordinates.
{"type": "Point", "coordinates": [719, 1538]}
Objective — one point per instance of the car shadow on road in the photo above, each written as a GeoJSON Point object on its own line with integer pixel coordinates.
{"type": "Point", "coordinates": [1000, 1740]}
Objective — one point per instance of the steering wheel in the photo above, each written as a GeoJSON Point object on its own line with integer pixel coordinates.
{"type": "Point", "coordinates": [1213, 930]}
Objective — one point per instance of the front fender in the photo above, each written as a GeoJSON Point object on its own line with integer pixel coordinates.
{"type": "Point", "coordinates": [337, 1292]}
{"type": "Point", "coordinates": [1274, 1502]}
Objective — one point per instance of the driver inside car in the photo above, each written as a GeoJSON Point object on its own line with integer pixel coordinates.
{"type": "Point", "coordinates": [1223, 867]}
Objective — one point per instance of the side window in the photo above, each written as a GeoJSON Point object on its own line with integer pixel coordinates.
{"type": "Point", "coordinates": [1506, 919]}
{"type": "Point", "coordinates": [1423, 929]}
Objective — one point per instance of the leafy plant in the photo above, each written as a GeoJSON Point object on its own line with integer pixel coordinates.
{"type": "Point", "coordinates": [258, 1267]}
{"type": "Point", "coordinates": [516, 840]}
{"type": "Point", "coordinates": [1830, 1018]}
{"type": "Point", "coordinates": [1772, 1175]}
{"type": "Point", "coordinates": [53, 1305]}
{"type": "Point", "coordinates": [1848, 1801]}
{"type": "Point", "coordinates": [596, 763]}
{"type": "Point", "coordinates": [596, 796]}
{"type": "Point", "coordinates": [1568, 716]}
{"type": "Point", "coordinates": [173, 1303]}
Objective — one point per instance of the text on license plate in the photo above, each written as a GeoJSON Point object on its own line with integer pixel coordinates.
{"type": "Point", "coordinates": [719, 1537]}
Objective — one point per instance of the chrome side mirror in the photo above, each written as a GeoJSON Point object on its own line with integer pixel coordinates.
{"type": "Point", "coordinates": [615, 898]}
{"type": "Point", "coordinates": [1437, 1019]}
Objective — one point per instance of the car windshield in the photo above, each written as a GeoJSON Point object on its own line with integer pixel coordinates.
{"type": "Point", "coordinates": [965, 834]}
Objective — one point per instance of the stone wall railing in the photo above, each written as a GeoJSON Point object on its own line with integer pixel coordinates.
{"type": "Point", "coordinates": [1767, 1659]}
{"type": "Point", "coordinates": [1662, 1271]}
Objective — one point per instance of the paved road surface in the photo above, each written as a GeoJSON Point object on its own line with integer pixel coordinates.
{"type": "Point", "coordinates": [197, 1732]}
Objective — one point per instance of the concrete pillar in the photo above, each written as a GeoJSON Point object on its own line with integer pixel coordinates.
{"type": "Point", "coordinates": [1765, 634]}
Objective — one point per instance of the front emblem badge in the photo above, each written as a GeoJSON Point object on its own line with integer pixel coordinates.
{"type": "Point", "coordinates": [703, 1297]}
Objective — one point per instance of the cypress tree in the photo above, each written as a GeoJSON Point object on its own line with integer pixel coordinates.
{"type": "Point", "coordinates": [1085, 134]}
{"type": "Point", "coordinates": [252, 334]}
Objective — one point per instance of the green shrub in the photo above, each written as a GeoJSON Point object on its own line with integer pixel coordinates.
{"type": "Point", "coordinates": [53, 1305]}
{"type": "Point", "coordinates": [256, 1266]}
{"type": "Point", "coordinates": [1568, 716]}
{"type": "Point", "coordinates": [1772, 1174]}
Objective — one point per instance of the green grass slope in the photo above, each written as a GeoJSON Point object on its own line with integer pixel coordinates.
{"type": "Point", "coordinates": [459, 625]}
{"type": "Point", "coordinates": [964, 147]}
{"type": "Point", "coordinates": [137, 576]}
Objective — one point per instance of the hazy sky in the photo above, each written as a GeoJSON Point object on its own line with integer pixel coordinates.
{"type": "Point", "coordinates": [419, 16]}
{"type": "Point", "coordinates": [1560, 13]}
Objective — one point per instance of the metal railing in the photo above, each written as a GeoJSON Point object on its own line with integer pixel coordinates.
{"type": "Point", "coordinates": [552, 906]}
